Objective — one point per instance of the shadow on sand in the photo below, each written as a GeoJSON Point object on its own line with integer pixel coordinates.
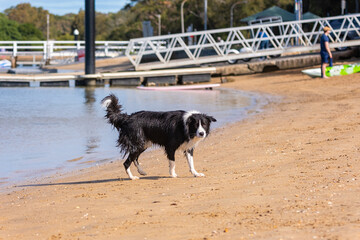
{"type": "Point", "coordinates": [90, 182]}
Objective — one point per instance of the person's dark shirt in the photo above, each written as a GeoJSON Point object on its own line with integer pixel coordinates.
{"type": "Point", "coordinates": [323, 39]}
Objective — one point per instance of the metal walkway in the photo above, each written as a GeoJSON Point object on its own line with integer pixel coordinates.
{"type": "Point", "coordinates": [219, 45]}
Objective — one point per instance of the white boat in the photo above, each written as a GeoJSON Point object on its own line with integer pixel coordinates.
{"type": "Point", "coordinates": [5, 64]}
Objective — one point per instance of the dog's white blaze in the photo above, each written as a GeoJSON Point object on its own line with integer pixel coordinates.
{"type": "Point", "coordinates": [188, 114]}
{"type": "Point", "coordinates": [200, 130]}
{"type": "Point", "coordinates": [172, 169]}
{"type": "Point", "coordinates": [190, 161]}
{"type": "Point", "coordinates": [106, 103]}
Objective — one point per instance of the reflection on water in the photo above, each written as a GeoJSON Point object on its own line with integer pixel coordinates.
{"type": "Point", "coordinates": [47, 129]}
{"type": "Point", "coordinates": [90, 100]}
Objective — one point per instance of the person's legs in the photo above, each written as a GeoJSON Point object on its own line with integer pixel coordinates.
{"type": "Point", "coordinates": [323, 69]}
{"type": "Point", "coordinates": [324, 61]}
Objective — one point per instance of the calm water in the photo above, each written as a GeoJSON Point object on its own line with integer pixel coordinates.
{"type": "Point", "coordinates": [43, 130]}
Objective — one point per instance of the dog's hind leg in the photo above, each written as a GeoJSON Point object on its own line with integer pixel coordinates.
{"type": "Point", "coordinates": [139, 168]}
{"type": "Point", "coordinates": [190, 159]}
{"type": "Point", "coordinates": [131, 158]}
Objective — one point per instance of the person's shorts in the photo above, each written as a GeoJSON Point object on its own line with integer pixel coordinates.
{"type": "Point", "coordinates": [325, 57]}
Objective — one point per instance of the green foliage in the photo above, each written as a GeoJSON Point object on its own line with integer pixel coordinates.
{"type": "Point", "coordinates": [122, 33]}
{"type": "Point", "coordinates": [65, 37]}
{"type": "Point", "coordinates": [25, 13]}
{"type": "Point", "coordinates": [8, 29]}
{"type": "Point", "coordinates": [28, 31]}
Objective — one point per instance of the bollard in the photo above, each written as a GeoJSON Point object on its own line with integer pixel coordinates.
{"type": "Point", "coordinates": [13, 61]}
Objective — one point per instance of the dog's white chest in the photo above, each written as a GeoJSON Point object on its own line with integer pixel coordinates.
{"type": "Point", "coordinates": [191, 144]}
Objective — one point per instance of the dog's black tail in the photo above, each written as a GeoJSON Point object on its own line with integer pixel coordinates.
{"type": "Point", "coordinates": [114, 111]}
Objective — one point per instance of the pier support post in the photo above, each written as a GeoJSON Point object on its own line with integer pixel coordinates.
{"type": "Point", "coordinates": [90, 82]}
{"type": "Point", "coordinates": [13, 61]}
{"type": "Point", "coordinates": [90, 41]}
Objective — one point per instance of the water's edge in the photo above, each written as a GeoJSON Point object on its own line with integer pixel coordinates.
{"type": "Point", "coordinates": [257, 104]}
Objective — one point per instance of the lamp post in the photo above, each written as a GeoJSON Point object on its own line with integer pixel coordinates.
{"type": "Point", "coordinates": [159, 24]}
{"type": "Point", "coordinates": [47, 39]}
{"type": "Point", "coordinates": [205, 14]}
{"type": "Point", "coordinates": [76, 34]}
{"type": "Point", "coordinates": [47, 27]}
{"type": "Point", "coordinates": [298, 10]}
{"type": "Point", "coordinates": [343, 6]}
{"type": "Point", "coordinates": [232, 12]}
{"type": "Point", "coordinates": [76, 38]}
{"type": "Point", "coordinates": [182, 16]}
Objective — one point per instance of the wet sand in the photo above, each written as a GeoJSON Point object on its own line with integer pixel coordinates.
{"type": "Point", "coordinates": [290, 172]}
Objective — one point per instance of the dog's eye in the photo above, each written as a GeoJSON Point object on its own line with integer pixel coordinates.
{"type": "Point", "coordinates": [205, 121]}
{"type": "Point", "coordinates": [192, 123]}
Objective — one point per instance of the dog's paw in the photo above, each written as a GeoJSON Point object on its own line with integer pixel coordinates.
{"type": "Point", "coordinates": [174, 175]}
{"type": "Point", "coordinates": [199, 175]}
{"type": "Point", "coordinates": [142, 173]}
{"type": "Point", "coordinates": [134, 178]}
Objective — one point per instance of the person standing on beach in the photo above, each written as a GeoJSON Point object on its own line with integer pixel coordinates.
{"type": "Point", "coordinates": [325, 53]}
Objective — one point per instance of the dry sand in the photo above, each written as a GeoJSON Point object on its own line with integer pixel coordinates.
{"type": "Point", "coordinates": [290, 172]}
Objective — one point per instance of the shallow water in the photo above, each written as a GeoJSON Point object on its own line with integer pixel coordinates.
{"type": "Point", "coordinates": [44, 130]}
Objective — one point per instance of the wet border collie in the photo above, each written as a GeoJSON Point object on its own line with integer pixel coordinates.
{"type": "Point", "coordinates": [171, 130]}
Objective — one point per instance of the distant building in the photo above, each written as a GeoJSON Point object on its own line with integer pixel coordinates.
{"type": "Point", "coordinates": [310, 15]}
{"type": "Point", "coordinates": [275, 11]}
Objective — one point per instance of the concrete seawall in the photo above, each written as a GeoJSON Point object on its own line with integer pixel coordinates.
{"type": "Point", "coordinates": [282, 63]}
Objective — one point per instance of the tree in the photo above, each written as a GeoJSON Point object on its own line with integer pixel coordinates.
{"type": "Point", "coordinates": [25, 13]}
{"type": "Point", "coordinates": [8, 29]}
{"type": "Point", "coordinates": [122, 33]}
{"type": "Point", "coordinates": [29, 32]}
{"type": "Point", "coordinates": [127, 22]}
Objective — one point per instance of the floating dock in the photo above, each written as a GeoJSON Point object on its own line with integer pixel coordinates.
{"type": "Point", "coordinates": [133, 78]}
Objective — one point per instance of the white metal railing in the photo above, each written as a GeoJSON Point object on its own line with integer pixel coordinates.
{"type": "Point", "coordinates": [51, 49]}
{"type": "Point", "coordinates": [205, 46]}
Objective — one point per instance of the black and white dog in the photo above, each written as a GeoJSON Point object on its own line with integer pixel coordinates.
{"type": "Point", "coordinates": [172, 130]}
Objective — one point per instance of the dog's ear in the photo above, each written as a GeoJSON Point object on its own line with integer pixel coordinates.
{"type": "Point", "coordinates": [211, 119]}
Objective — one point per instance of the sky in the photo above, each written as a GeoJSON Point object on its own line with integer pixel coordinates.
{"type": "Point", "coordinates": [61, 7]}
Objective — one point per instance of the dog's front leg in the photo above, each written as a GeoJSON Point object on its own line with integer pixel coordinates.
{"type": "Point", "coordinates": [189, 156]}
{"type": "Point", "coordinates": [127, 164]}
{"type": "Point", "coordinates": [172, 168]}
{"type": "Point", "coordinates": [171, 157]}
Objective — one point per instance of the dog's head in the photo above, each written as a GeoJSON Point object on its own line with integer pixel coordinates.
{"type": "Point", "coordinates": [198, 124]}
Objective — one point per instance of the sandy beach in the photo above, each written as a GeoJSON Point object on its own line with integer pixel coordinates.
{"type": "Point", "coordinates": [291, 171]}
